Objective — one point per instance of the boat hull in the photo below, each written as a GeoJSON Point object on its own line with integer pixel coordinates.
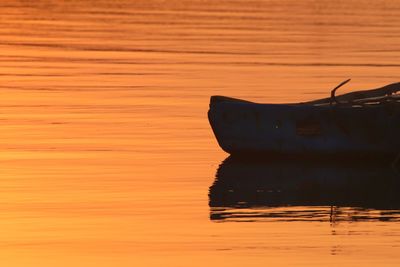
{"type": "Point", "coordinates": [243, 128]}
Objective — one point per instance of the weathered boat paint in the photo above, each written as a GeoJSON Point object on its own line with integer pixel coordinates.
{"type": "Point", "coordinates": [243, 127]}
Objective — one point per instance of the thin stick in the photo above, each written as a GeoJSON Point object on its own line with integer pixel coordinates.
{"type": "Point", "coordinates": [333, 98]}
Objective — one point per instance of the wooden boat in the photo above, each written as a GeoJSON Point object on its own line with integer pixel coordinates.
{"type": "Point", "coordinates": [360, 123]}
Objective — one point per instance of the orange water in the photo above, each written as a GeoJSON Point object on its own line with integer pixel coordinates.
{"type": "Point", "coordinates": [105, 150]}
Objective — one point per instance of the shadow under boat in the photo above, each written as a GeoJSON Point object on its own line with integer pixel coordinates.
{"type": "Point", "coordinates": [254, 190]}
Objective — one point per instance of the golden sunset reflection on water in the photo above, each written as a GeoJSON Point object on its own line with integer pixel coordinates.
{"type": "Point", "coordinates": [106, 153]}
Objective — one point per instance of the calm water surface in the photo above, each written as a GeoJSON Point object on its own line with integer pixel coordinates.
{"type": "Point", "coordinates": [107, 158]}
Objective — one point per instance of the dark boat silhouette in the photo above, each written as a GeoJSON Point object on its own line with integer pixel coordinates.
{"type": "Point", "coordinates": [361, 123]}
{"type": "Point", "coordinates": [281, 190]}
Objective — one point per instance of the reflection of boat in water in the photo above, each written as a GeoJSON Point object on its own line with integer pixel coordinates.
{"type": "Point", "coordinates": [253, 190]}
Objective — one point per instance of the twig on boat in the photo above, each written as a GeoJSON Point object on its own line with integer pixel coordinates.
{"type": "Point", "coordinates": [333, 98]}
{"type": "Point", "coordinates": [387, 91]}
